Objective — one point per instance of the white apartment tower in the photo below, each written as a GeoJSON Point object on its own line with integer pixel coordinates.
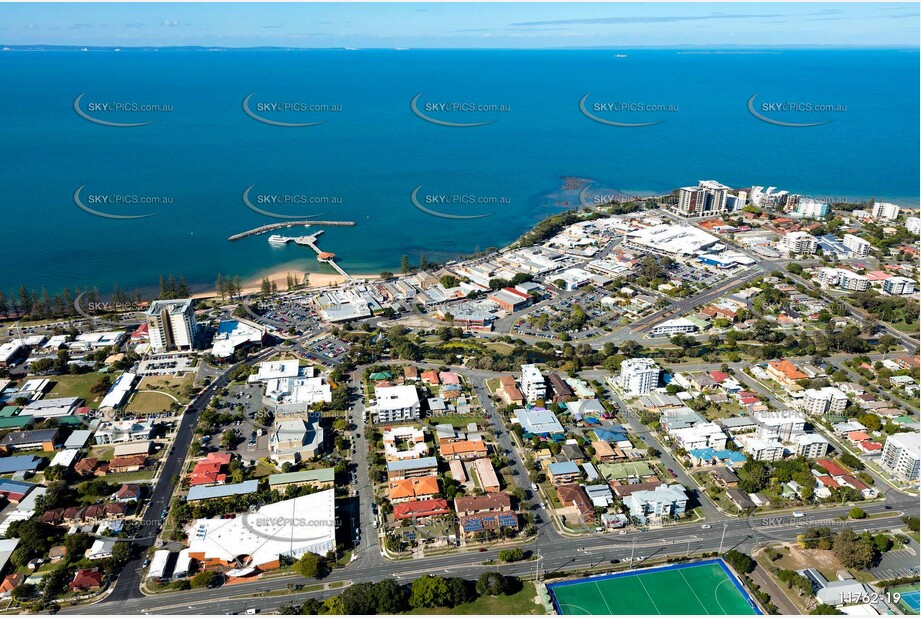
{"type": "Point", "coordinates": [858, 246]}
{"type": "Point", "coordinates": [638, 376]}
{"type": "Point", "coordinates": [902, 455]}
{"type": "Point", "coordinates": [885, 211]}
{"type": "Point", "coordinates": [800, 243]}
{"type": "Point", "coordinates": [171, 325]}
{"type": "Point", "coordinates": [707, 198]}
{"type": "Point", "coordinates": [827, 400]}
{"type": "Point", "coordinates": [532, 383]}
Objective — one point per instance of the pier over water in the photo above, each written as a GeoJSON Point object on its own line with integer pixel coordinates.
{"type": "Point", "coordinates": [277, 226]}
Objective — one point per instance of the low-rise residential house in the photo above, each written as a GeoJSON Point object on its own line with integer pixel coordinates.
{"type": "Point", "coordinates": [573, 495]}
{"type": "Point", "coordinates": [413, 489]}
{"type": "Point", "coordinates": [564, 473]}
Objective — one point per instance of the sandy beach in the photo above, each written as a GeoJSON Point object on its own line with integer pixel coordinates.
{"type": "Point", "coordinates": [280, 277]}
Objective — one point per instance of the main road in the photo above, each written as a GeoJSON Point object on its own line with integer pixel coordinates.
{"type": "Point", "coordinates": [551, 553]}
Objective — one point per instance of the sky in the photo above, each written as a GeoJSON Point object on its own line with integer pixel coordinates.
{"type": "Point", "coordinates": [462, 25]}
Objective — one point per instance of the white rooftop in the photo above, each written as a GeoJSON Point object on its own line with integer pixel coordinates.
{"type": "Point", "coordinates": [289, 528]}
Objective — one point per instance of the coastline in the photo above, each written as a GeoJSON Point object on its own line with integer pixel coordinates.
{"type": "Point", "coordinates": [280, 277]}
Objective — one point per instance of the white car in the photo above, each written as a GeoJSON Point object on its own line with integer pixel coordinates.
{"type": "Point", "coordinates": [705, 527]}
{"type": "Point", "coordinates": [622, 532]}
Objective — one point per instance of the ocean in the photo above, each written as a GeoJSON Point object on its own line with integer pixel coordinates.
{"type": "Point", "coordinates": [190, 167]}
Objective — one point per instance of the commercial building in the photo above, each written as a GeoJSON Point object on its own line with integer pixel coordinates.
{"type": "Point", "coordinates": [510, 299]}
{"type": "Point", "coordinates": [261, 539]}
{"type": "Point", "coordinates": [826, 400]}
{"type": "Point", "coordinates": [222, 491]}
{"type": "Point", "coordinates": [123, 431]}
{"type": "Point", "coordinates": [532, 383]}
{"type": "Point", "coordinates": [857, 245]}
{"type": "Point", "coordinates": [297, 440]}
{"type": "Point", "coordinates": [674, 326]}
{"type": "Point", "coordinates": [901, 455]}
{"type": "Point", "coordinates": [709, 197]}
{"type": "Point", "coordinates": [322, 478]}
{"type": "Point", "coordinates": [52, 408]}
{"type": "Point", "coordinates": [898, 286]}
{"type": "Point", "coordinates": [171, 325]}
{"type": "Point", "coordinates": [118, 394]}
{"type": "Point", "coordinates": [11, 352]}
{"type": "Point", "coordinates": [675, 241]}
{"type": "Point", "coordinates": [800, 243]}
{"type": "Point", "coordinates": [396, 403]}
{"type": "Point", "coordinates": [638, 376]}
{"type": "Point", "coordinates": [236, 334]}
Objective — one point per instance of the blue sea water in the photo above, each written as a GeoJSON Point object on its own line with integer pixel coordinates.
{"type": "Point", "coordinates": [372, 154]}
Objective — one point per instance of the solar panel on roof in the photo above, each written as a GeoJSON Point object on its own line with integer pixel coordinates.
{"type": "Point", "coordinates": [508, 520]}
{"type": "Point", "coordinates": [473, 525]}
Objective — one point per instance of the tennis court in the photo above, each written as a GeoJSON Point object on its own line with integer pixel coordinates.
{"type": "Point", "coordinates": [700, 589]}
{"type": "Point", "coordinates": [911, 598]}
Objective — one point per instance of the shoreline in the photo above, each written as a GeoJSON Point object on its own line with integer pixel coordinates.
{"type": "Point", "coordinates": [280, 277]}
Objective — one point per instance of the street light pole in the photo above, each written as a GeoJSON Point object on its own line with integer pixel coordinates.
{"type": "Point", "coordinates": [723, 536]}
{"type": "Point", "coordinates": [632, 550]}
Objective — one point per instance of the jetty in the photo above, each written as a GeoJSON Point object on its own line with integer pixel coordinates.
{"type": "Point", "coordinates": [277, 226]}
{"type": "Point", "coordinates": [322, 256]}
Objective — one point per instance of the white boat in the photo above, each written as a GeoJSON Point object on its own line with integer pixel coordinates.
{"type": "Point", "coordinates": [277, 239]}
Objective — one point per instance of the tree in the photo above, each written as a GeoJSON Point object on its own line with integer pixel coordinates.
{"type": "Point", "coordinates": [823, 609]}
{"type": "Point", "coordinates": [404, 264]}
{"type": "Point", "coordinates": [754, 476]}
{"type": "Point", "coordinates": [742, 563]}
{"type": "Point", "coordinates": [429, 591]}
{"type": "Point", "coordinates": [311, 566]}
{"type": "Point", "coordinates": [857, 513]}
{"type": "Point", "coordinates": [205, 579]}
{"type": "Point", "coordinates": [854, 551]}
{"type": "Point", "coordinates": [511, 555]}
{"type": "Point", "coordinates": [492, 584]}
{"type": "Point", "coordinates": [390, 596]}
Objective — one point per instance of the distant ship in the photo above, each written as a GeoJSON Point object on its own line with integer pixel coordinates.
{"type": "Point", "coordinates": [620, 55]}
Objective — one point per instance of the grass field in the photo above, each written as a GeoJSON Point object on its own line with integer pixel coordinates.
{"type": "Point", "coordinates": [520, 603]}
{"type": "Point", "coordinates": [149, 402]}
{"type": "Point", "coordinates": [78, 385]}
{"type": "Point", "coordinates": [701, 589]}
{"type": "Point", "coordinates": [173, 385]}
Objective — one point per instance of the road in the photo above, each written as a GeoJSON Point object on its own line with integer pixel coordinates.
{"type": "Point", "coordinates": [127, 586]}
{"type": "Point", "coordinates": [557, 552]}
{"type": "Point", "coordinates": [555, 557]}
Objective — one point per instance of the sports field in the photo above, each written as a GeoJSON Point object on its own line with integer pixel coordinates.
{"type": "Point", "coordinates": [699, 589]}
{"type": "Point", "coordinates": [910, 603]}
